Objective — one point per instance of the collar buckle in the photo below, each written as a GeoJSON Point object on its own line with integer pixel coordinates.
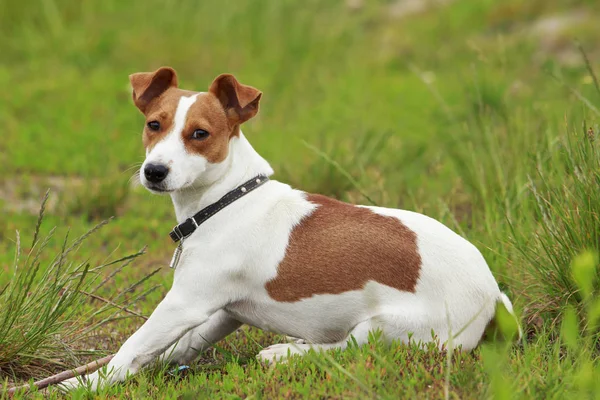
{"type": "Point", "coordinates": [176, 234]}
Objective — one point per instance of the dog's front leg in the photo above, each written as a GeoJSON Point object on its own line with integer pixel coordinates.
{"type": "Point", "coordinates": [200, 338]}
{"type": "Point", "coordinates": [173, 317]}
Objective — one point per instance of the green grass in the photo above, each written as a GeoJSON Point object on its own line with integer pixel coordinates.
{"type": "Point", "coordinates": [462, 112]}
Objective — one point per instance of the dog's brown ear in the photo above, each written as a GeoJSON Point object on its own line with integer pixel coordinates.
{"type": "Point", "coordinates": [239, 101]}
{"type": "Point", "coordinates": [149, 85]}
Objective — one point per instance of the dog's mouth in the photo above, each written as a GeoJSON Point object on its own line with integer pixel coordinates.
{"type": "Point", "coordinates": [157, 189]}
{"type": "Point", "coordinates": [162, 188]}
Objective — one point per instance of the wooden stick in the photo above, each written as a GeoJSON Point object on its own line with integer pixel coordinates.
{"type": "Point", "coordinates": [54, 379]}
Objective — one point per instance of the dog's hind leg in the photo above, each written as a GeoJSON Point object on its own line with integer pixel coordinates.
{"type": "Point", "coordinates": [278, 352]}
{"type": "Point", "coordinates": [197, 340]}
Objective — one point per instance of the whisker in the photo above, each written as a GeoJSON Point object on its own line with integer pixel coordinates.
{"type": "Point", "coordinates": [132, 166]}
{"type": "Point", "coordinates": [134, 180]}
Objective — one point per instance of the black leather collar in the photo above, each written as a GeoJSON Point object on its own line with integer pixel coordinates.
{"type": "Point", "coordinates": [188, 227]}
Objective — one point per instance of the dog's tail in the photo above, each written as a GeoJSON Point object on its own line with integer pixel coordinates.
{"type": "Point", "coordinates": [492, 331]}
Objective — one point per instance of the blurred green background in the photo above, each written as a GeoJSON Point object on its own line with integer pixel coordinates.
{"type": "Point", "coordinates": [418, 101]}
{"type": "Point", "coordinates": [436, 106]}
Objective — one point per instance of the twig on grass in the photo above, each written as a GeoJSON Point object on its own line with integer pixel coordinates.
{"type": "Point", "coordinates": [54, 379]}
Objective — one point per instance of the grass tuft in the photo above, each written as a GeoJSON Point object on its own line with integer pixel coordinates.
{"type": "Point", "coordinates": [567, 222]}
{"type": "Point", "coordinates": [46, 312]}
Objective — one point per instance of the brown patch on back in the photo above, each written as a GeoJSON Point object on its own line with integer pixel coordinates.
{"type": "Point", "coordinates": [340, 247]}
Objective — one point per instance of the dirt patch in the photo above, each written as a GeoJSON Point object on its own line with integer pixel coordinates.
{"type": "Point", "coordinates": [71, 194]}
{"type": "Point", "coordinates": [402, 8]}
{"type": "Point", "coordinates": [552, 34]}
{"type": "Point", "coordinates": [406, 8]}
{"type": "Point", "coordinates": [24, 194]}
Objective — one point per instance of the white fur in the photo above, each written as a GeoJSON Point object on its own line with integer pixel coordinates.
{"type": "Point", "coordinates": [220, 280]}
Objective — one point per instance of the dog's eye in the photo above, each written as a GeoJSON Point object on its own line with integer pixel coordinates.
{"type": "Point", "coordinates": [200, 134]}
{"type": "Point", "coordinates": [154, 125]}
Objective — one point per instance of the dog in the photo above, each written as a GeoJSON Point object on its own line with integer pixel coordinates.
{"type": "Point", "coordinates": [283, 260]}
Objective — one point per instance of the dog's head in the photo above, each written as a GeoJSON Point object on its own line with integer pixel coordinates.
{"type": "Point", "coordinates": [187, 133]}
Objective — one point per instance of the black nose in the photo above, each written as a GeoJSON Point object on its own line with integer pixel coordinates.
{"type": "Point", "coordinates": [155, 173]}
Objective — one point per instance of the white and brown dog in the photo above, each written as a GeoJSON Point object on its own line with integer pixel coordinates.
{"type": "Point", "coordinates": [283, 260]}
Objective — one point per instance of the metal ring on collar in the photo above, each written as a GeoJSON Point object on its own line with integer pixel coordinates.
{"type": "Point", "coordinates": [178, 232]}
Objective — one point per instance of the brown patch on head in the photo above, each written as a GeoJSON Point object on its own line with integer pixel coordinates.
{"type": "Point", "coordinates": [207, 114]}
{"type": "Point", "coordinates": [219, 112]}
{"type": "Point", "coordinates": [340, 247]}
{"type": "Point", "coordinates": [162, 109]}
{"type": "Point", "coordinates": [157, 96]}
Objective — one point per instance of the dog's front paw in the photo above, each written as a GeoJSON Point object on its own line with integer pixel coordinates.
{"type": "Point", "coordinates": [91, 382]}
{"type": "Point", "coordinates": [70, 384]}
{"type": "Point", "coordinates": [278, 352]}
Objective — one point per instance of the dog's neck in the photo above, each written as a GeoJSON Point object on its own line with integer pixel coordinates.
{"type": "Point", "coordinates": [242, 164]}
